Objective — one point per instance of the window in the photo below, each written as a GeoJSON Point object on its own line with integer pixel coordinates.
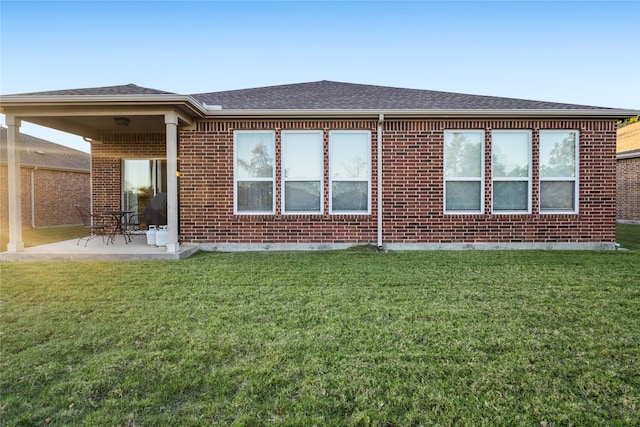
{"type": "Point", "coordinates": [254, 171]}
{"type": "Point", "coordinates": [463, 171]}
{"type": "Point", "coordinates": [558, 171]}
{"type": "Point", "coordinates": [511, 171]}
{"type": "Point", "coordinates": [142, 179]}
{"type": "Point", "coordinates": [350, 171]}
{"type": "Point", "coordinates": [302, 171]}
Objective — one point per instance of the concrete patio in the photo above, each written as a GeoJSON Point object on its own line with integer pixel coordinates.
{"type": "Point", "coordinates": [96, 250]}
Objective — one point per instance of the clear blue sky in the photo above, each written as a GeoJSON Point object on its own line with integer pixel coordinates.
{"type": "Point", "coordinates": [580, 52]}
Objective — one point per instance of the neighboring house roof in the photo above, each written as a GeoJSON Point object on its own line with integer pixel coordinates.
{"type": "Point", "coordinates": [629, 138]}
{"type": "Point", "coordinates": [36, 152]}
{"type": "Point", "coordinates": [328, 95]}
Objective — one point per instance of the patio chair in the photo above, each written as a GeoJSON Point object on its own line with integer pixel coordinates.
{"type": "Point", "coordinates": [133, 221]}
{"type": "Point", "coordinates": [94, 223]}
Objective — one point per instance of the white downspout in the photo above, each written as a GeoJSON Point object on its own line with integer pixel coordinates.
{"type": "Point", "coordinates": [380, 124]}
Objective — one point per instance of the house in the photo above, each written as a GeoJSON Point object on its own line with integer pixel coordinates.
{"type": "Point", "coordinates": [54, 179]}
{"type": "Point", "coordinates": [331, 165]}
{"type": "Point", "coordinates": [628, 172]}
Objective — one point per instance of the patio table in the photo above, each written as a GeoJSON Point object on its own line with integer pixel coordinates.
{"type": "Point", "coordinates": [117, 227]}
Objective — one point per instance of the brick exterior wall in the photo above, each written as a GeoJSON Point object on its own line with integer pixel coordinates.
{"type": "Point", "coordinates": [56, 194]}
{"type": "Point", "coordinates": [412, 189]}
{"type": "Point", "coordinates": [412, 186]}
{"type": "Point", "coordinates": [107, 158]}
{"type": "Point", "coordinates": [629, 138]}
{"type": "Point", "coordinates": [629, 188]}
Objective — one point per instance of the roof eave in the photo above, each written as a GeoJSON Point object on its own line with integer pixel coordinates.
{"type": "Point", "coordinates": [196, 109]}
{"type": "Point", "coordinates": [7, 102]}
{"type": "Point", "coordinates": [50, 168]}
{"type": "Point", "coordinates": [426, 113]}
{"type": "Point", "coordinates": [631, 154]}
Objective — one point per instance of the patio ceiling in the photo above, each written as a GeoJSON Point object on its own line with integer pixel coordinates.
{"type": "Point", "coordinates": [97, 125]}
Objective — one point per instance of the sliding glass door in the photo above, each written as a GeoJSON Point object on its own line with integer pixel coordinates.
{"type": "Point", "coordinates": [142, 180]}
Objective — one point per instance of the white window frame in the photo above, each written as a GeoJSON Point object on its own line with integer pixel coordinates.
{"type": "Point", "coordinates": [236, 179]}
{"type": "Point", "coordinates": [319, 178]}
{"type": "Point", "coordinates": [481, 178]}
{"type": "Point", "coordinates": [528, 179]}
{"type": "Point", "coordinates": [368, 179]}
{"type": "Point", "coordinates": [575, 179]}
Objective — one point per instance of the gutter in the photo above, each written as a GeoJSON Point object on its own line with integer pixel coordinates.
{"type": "Point", "coordinates": [50, 168]}
{"type": "Point", "coordinates": [189, 103]}
{"type": "Point", "coordinates": [628, 154]}
{"type": "Point", "coordinates": [608, 113]}
{"type": "Point", "coordinates": [379, 151]}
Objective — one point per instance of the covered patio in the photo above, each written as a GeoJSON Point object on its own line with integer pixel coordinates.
{"type": "Point", "coordinates": [104, 117]}
{"type": "Point", "coordinates": [97, 250]}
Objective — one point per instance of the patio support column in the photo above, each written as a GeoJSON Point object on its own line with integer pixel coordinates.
{"type": "Point", "coordinates": [15, 193]}
{"type": "Point", "coordinates": [171, 123]}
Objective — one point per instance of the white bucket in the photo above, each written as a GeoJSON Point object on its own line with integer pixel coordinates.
{"type": "Point", "coordinates": [162, 235]}
{"type": "Point", "coordinates": [151, 235]}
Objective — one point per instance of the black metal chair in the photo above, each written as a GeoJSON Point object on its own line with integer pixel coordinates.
{"type": "Point", "coordinates": [133, 221]}
{"type": "Point", "coordinates": [94, 223]}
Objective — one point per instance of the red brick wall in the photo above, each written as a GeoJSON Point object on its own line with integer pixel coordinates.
{"type": "Point", "coordinates": [56, 195]}
{"type": "Point", "coordinates": [107, 158]}
{"type": "Point", "coordinates": [206, 192]}
{"type": "Point", "coordinates": [629, 188]}
{"type": "Point", "coordinates": [413, 188]}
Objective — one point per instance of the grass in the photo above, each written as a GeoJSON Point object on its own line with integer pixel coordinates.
{"type": "Point", "coordinates": [628, 235]}
{"type": "Point", "coordinates": [41, 236]}
{"type": "Point", "coordinates": [325, 338]}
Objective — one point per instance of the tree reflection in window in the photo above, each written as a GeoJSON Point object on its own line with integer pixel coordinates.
{"type": "Point", "coordinates": [254, 171]}
{"type": "Point", "coordinates": [558, 170]}
{"type": "Point", "coordinates": [463, 169]}
{"type": "Point", "coordinates": [350, 171]}
{"type": "Point", "coordinates": [260, 165]}
{"type": "Point", "coordinates": [510, 158]}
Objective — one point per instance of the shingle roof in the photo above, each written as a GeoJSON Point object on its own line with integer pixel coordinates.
{"type": "Point", "coordinates": [45, 154]}
{"type": "Point", "coordinates": [129, 89]}
{"type": "Point", "coordinates": [328, 95]}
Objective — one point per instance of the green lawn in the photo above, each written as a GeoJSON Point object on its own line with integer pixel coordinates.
{"type": "Point", "coordinates": [41, 236]}
{"type": "Point", "coordinates": [352, 337]}
{"type": "Point", "coordinates": [628, 235]}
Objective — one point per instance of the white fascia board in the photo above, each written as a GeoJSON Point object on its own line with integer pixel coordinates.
{"type": "Point", "coordinates": [452, 113]}
{"type": "Point", "coordinates": [30, 101]}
